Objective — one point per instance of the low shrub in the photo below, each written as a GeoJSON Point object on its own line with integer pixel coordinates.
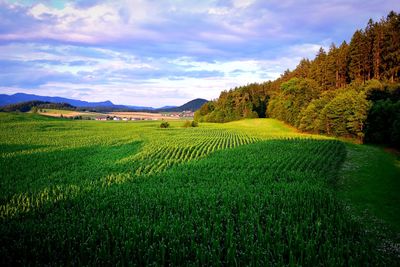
{"type": "Point", "coordinates": [164, 124]}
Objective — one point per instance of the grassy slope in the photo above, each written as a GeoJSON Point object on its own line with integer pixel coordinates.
{"type": "Point", "coordinates": [371, 182]}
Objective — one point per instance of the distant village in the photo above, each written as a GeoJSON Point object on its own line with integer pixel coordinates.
{"type": "Point", "coordinates": [137, 117]}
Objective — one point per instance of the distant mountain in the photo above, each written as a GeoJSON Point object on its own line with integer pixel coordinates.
{"type": "Point", "coordinates": [192, 105]}
{"type": "Point", "coordinates": [167, 107]}
{"type": "Point", "coordinates": [21, 97]}
{"type": "Point", "coordinates": [135, 107]}
{"type": "Point", "coordinates": [105, 106]}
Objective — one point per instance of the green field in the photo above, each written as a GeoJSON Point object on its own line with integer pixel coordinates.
{"type": "Point", "coordinates": [56, 111]}
{"type": "Point", "coordinates": [251, 192]}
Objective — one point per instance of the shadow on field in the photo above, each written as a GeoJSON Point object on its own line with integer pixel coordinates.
{"type": "Point", "coordinates": [17, 148]}
{"type": "Point", "coordinates": [23, 173]}
{"type": "Point", "coordinates": [266, 203]}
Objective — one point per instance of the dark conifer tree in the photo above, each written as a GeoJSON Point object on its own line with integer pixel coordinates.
{"type": "Point", "coordinates": [356, 56]}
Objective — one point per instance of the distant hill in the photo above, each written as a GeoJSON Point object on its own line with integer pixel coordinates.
{"type": "Point", "coordinates": [105, 106]}
{"type": "Point", "coordinates": [21, 97]}
{"type": "Point", "coordinates": [28, 105]}
{"type": "Point", "coordinates": [192, 105]}
{"type": "Point", "coordinates": [166, 107]}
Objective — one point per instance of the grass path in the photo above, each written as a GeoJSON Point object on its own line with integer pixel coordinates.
{"type": "Point", "coordinates": [369, 183]}
{"type": "Point", "coordinates": [369, 179]}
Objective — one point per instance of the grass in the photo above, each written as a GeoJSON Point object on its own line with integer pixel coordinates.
{"type": "Point", "coordinates": [248, 192]}
{"type": "Point", "coordinates": [268, 129]}
{"type": "Point", "coordinates": [370, 178]}
{"type": "Point", "coordinates": [57, 111]}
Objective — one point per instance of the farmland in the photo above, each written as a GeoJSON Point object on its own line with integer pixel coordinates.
{"type": "Point", "coordinates": [66, 113]}
{"type": "Point", "coordinates": [128, 115]}
{"type": "Point", "coordinates": [251, 192]}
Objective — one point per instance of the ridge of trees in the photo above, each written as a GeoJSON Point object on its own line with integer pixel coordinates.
{"type": "Point", "coordinates": [352, 90]}
{"type": "Point", "coordinates": [35, 105]}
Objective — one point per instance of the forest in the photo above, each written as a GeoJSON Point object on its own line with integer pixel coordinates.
{"type": "Point", "coordinates": [352, 90]}
{"type": "Point", "coordinates": [35, 105]}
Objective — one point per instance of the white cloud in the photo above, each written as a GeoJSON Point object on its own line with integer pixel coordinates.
{"type": "Point", "coordinates": [219, 11]}
{"type": "Point", "coordinates": [106, 22]}
{"type": "Point", "coordinates": [242, 3]}
{"type": "Point", "coordinates": [305, 50]}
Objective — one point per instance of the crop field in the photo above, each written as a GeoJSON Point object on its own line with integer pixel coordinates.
{"type": "Point", "coordinates": [67, 113]}
{"type": "Point", "coordinates": [93, 115]}
{"type": "Point", "coordinates": [251, 192]}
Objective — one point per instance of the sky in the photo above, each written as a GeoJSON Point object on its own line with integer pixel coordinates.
{"type": "Point", "coordinates": [165, 52]}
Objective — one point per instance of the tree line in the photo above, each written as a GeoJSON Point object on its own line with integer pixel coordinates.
{"type": "Point", "coordinates": [36, 105]}
{"type": "Point", "coordinates": [352, 90]}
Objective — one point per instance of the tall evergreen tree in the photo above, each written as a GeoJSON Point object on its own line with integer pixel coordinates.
{"type": "Point", "coordinates": [367, 51]}
{"type": "Point", "coordinates": [376, 49]}
{"type": "Point", "coordinates": [356, 56]}
{"type": "Point", "coordinates": [391, 47]}
{"type": "Point", "coordinates": [332, 67]}
{"type": "Point", "coordinates": [342, 60]}
{"type": "Point", "coordinates": [319, 69]}
{"type": "Point", "coordinates": [303, 69]}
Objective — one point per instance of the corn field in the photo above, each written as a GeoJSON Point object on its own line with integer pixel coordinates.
{"type": "Point", "coordinates": [132, 194]}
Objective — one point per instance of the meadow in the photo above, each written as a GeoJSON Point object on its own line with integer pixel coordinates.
{"type": "Point", "coordinates": [252, 192]}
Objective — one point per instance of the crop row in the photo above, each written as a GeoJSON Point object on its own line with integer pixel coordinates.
{"type": "Point", "coordinates": [189, 145]}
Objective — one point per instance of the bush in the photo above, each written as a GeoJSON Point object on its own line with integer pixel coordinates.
{"type": "Point", "coordinates": [164, 124]}
{"type": "Point", "coordinates": [187, 124]}
{"type": "Point", "coordinates": [190, 124]}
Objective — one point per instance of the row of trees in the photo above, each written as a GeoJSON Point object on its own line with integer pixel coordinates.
{"type": "Point", "coordinates": [36, 105]}
{"type": "Point", "coordinates": [347, 91]}
{"type": "Point", "coordinates": [373, 53]}
{"type": "Point", "coordinates": [248, 101]}
{"type": "Point", "coordinates": [366, 111]}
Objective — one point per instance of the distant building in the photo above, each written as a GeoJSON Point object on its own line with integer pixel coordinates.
{"type": "Point", "coordinates": [186, 113]}
{"type": "Point", "coordinates": [100, 118]}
